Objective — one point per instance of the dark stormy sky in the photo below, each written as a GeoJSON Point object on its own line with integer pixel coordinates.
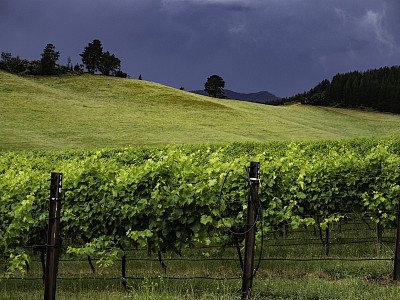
{"type": "Point", "coordinates": [282, 46]}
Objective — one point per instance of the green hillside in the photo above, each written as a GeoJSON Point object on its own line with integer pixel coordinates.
{"type": "Point", "coordinates": [91, 111]}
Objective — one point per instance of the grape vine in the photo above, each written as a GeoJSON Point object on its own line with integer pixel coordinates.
{"type": "Point", "coordinates": [168, 198]}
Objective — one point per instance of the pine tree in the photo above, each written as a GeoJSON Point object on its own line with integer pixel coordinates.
{"type": "Point", "coordinates": [91, 56]}
{"type": "Point", "coordinates": [49, 59]}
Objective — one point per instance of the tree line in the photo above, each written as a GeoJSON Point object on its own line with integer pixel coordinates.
{"type": "Point", "coordinates": [93, 59]}
{"type": "Point", "coordinates": [378, 89]}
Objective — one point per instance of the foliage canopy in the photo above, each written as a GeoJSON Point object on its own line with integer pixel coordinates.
{"type": "Point", "coordinates": [91, 56]}
{"type": "Point", "coordinates": [49, 59]}
{"type": "Point", "coordinates": [214, 86]}
{"type": "Point", "coordinates": [95, 60]}
{"type": "Point", "coordinates": [115, 199]}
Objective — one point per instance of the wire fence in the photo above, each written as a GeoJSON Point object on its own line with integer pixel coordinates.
{"type": "Point", "coordinates": [273, 241]}
{"type": "Point", "coordinates": [306, 239]}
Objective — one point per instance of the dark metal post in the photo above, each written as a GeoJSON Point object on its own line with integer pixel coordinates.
{"type": "Point", "coordinates": [148, 248]}
{"type": "Point", "coordinates": [379, 242]}
{"type": "Point", "coordinates": [285, 230]}
{"type": "Point", "coordinates": [396, 273]}
{"type": "Point", "coordinates": [123, 271]}
{"type": "Point", "coordinates": [42, 254]}
{"type": "Point", "coordinates": [247, 278]}
{"type": "Point", "coordinates": [327, 241]}
{"type": "Point", "coordinates": [53, 237]}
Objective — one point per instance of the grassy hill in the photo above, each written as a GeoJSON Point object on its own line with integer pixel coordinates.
{"type": "Point", "coordinates": [91, 111]}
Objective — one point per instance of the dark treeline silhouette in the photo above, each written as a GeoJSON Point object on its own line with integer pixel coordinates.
{"type": "Point", "coordinates": [93, 58]}
{"type": "Point", "coordinates": [47, 65]}
{"type": "Point", "coordinates": [378, 89]}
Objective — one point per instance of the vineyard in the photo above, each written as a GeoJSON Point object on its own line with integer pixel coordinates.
{"type": "Point", "coordinates": [176, 198]}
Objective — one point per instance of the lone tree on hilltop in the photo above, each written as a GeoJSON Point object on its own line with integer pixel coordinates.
{"type": "Point", "coordinates": [214, 86]}
{"type": "Point", "coordinates": [49, 59]}
{"type": "Point", "coordinates": [91, 56]}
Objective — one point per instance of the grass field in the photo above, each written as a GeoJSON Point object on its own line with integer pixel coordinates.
{"type": "Point", "coordinates": [90, 111]}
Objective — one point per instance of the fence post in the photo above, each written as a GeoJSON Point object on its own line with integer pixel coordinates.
{"type": "Point", "coordinates": [379, 242]}
{"type": "Point", "coordinates": [396, 273]}
{"type": "Point", "coordinates": [123, 270]}
{"type": "Point", "coordinates": [247, 278]}
{"type": "Point", "coordinates": [327, 241]}
{"type": "Point", "coordinates": [148, 248]}
{"type": "Point", "coordinates": [53, 236]}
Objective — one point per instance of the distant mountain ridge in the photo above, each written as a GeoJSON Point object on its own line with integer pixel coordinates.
{"type": "Point", "coordinates": [259, 97]}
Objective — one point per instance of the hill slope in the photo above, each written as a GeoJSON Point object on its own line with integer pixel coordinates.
{"type": "Point", "coordinates": [259, 97]}
{"type": "Point", "coordinates": [91, 111]}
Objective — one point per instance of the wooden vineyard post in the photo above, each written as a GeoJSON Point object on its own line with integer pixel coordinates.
{"type": "Point", "coordinates": [396, 273]}
{"type": "Point", "coordinates": [53, 237]}
{"type": "Point", "coordinates": [252, 206]}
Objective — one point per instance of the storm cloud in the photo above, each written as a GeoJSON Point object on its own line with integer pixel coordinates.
{"type": "Point", "coordinates": [283, 46]}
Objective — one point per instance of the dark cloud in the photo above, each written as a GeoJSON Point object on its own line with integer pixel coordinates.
{"type": "Point", "coordinates": [284, 46]}
{"type": "Point", "coordinates": [223, 5]}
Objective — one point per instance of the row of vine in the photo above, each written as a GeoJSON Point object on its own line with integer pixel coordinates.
{"type": "Point", "coordinates": [171, 198]}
